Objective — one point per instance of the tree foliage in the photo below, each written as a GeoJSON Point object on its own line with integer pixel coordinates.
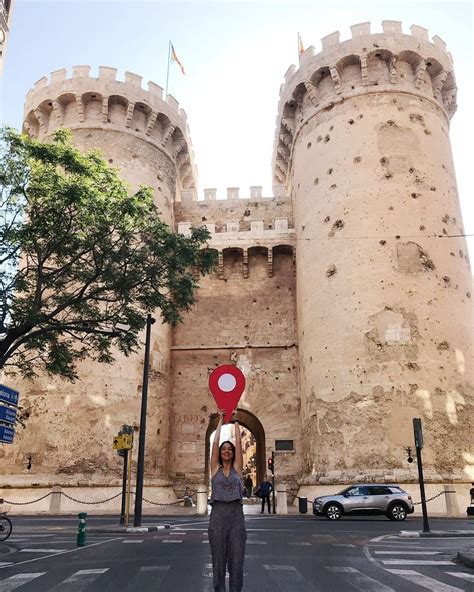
{"type": "Point", "coordinates": [81, 257]}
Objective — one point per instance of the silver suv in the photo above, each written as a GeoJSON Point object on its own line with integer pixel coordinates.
{"type": "Point", "coordinates": [366, 499]}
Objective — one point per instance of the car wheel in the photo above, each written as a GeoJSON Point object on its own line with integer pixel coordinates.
{"type": "Point", "coordinates": [333, 511]}
{"type": "Point", "coordinates": [397, 512]}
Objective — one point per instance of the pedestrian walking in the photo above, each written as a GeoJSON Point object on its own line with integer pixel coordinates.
{"type": "Point", "coordinates": [265, 490]}
{"type": "Point", "coordinates": [248, 483]}
{"type": "Point", "coordinates": [227, 534]}
{"type": "Point", "coordinates": [471, 493]}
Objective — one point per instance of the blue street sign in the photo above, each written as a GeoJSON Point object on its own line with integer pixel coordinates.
{"type": "Point", "coordinates": [6, 434]}
{"type": "Point", "coordinates": [9, 395]}
{"type": "Point", "coordinates": [7, 414]}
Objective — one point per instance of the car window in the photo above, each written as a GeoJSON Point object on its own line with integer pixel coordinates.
{"type": "Point", "coordinates": [352, 491]}
{"type": "Point", "coordinates": [378, 490]}
{"type": "Point", "coordinates": [359, 490]}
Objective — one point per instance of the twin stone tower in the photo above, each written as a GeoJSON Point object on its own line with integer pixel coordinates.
{"type": "Point", "coordinates": [345, 298]}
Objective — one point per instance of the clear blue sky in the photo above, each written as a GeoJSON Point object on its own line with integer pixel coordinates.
{"type": "Point", "coordinates": [235, 55]}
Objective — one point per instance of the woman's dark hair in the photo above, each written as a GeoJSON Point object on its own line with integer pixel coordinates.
{"type": "Point", "coordinates": [233, 451]}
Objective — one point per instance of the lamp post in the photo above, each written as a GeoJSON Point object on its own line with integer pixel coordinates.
{"type": "Point", "coordinates": [137, 518]}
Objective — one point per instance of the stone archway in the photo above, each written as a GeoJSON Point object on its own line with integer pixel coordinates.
{"type": "Point", "coordinates": [251, 422]}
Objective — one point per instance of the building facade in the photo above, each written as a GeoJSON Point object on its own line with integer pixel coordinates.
{"type": "Point", "coordinates": [345, 298]}
{"type": "Point", "coordinates": [6, 7]}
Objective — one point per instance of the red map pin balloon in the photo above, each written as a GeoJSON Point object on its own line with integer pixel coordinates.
{"type": "Point", "coordinates": [227, 383]}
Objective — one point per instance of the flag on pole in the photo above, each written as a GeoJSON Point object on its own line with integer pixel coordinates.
{"type": "Point", "coordinates": [175, 58]}
{"type": "Point", "coordinates": [300, 45]}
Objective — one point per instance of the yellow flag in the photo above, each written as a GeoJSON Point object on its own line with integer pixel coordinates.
{"type": "Point", "coordinates": [175, 58]}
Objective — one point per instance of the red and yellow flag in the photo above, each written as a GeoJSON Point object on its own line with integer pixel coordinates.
{"type": "Point", "coordinates": [300, 45]}
{"type": "Point", "coordinates": [175, 58]}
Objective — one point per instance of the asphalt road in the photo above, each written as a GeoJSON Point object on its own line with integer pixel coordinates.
{"type": "Point", "coordinates": [283, 554]}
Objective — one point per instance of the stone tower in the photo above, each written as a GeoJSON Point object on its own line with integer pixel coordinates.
{"type": "Point", "coordinates": [146, 137]}
{"type": "Point", "coordinates": [383, 278]}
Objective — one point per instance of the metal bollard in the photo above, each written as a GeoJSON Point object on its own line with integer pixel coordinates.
{"type": "Point", "coordinates": [282, 500]}
{"type": "Point", "coordinates": [81, 533]}
{"type": "Point", "coordinates": [201, 500]}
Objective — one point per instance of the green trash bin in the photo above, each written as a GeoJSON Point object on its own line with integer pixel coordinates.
{"type": "Point", "coordinates": [303, 505]}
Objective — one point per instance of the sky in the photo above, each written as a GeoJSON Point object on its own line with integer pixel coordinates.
{"type": "Point", "coordinates": [235, 55]}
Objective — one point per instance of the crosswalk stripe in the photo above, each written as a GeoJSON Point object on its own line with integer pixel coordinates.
{"type": "Point", "coordinates": [462, 575]}
{"type": "Point", "coordinates": [360, 580]}
{"type": "Point", "coordinates": [172, 541]}
{"type": "Point", "coordinates": [407, 552]}
{"type": "Point", "coordinates": [342, 545]}
{"type": "Point", "coordinates": [287, 578]}
{"type": "Point", "coordinates": [132, 541]}
{"type": "Point", "coordinates": [302, 544]}
{"type": "Point", "coordinates": [257, 543]}
{"type": "Point", "coordinates": [18, 580]}
{"type": "Point", "coordinates": [79, 580]}
{"type": "Point", "coordinates": [424, 581]}
{"type": "Point", "coordinates": [414, 562]}
{"type": "Point", "coordinates": [42, 550]}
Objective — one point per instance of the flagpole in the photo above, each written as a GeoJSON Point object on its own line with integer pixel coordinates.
{"type": "Point", "coordinates": [168, 69]}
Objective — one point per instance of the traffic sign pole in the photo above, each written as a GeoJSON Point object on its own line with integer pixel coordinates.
{"type": "Point", "coordinates": [418, 434]}
{"type": "Point", "coordinates": [273, 481]}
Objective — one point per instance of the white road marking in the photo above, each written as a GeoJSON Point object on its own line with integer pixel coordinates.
{"type": "Point", "coordinates": [42, 550]}
{"type": "Point", "coordinates": [155, 568]}
{"type": "Point", "coordinates": [178, 532]}
{"type": "Point", "coordinates": [6, 563]}
{"type": "Point", "coordinates": [132, 541]}
{"type": "Point", "coordinates": [414, 562]}
{"type": "Point", "coordinates": [172, 541]}
{"type": "Point", "coordinates": [305, 544]}
{"type": "Point", "coordinates": [362, 581]}
{"type": "Point", "coordinates": [407, 552]}
{"type": "Point", "coordinates": [79, 580]}
{"type": "Point", "coordinates": [286, 578]}
{"type": "Point", "coordinates": [63, 553]}
{"type": "Point", "coordinates": [19, 580]}
{"type": "Point", "coordinates": [379, 538]}
{"type": "Point", "coordinates": [342, 545]}
{"type": "Point", "coordinates": [462, 575]}
{"type": "Point", "coordinates": [256, 542]}
{"type": "Point", "coordinates": [424, 581]}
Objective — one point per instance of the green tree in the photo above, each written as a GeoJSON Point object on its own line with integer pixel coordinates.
{"type": "Point", "coordinates": [80, 257]}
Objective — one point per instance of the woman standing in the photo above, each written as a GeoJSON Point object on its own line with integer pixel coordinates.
{"type": "Point", "coordinates": [227, 534]}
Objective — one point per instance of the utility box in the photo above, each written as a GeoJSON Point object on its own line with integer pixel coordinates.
{"type": "Point", "coordinates": [303, 505]}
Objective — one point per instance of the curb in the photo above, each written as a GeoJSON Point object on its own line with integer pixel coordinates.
{"type": "Point", "coordinates": [413, 534]}
{"type": "Point", "coordinates": [126, 529]}
{"type": "Point", "coordinates": [466, 558]}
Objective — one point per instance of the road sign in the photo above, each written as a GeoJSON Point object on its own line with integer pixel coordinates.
{"type": "Point", "coordinates": [122, 442]}
{"type": "Point", "coordinates": [227, 383]}
{"type": "Point", "coordinates": [6, 434]}
{"type": "Point", "coordinates": [7, 414]}
{"type": "Point", "coordinates": [9, 395]}
{"type": "Point", "coordinates": [418, 433]}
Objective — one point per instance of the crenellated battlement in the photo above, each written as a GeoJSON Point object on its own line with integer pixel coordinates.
{"type": "Point", "coordinates": [390, 61]}
{"type": "Point", "coordinates": [233, 193]}
{"type": "Point", "coordinates": [103, 102]}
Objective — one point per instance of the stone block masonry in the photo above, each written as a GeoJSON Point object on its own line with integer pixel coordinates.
{"type": "Point", "coordinates": [345, 298]}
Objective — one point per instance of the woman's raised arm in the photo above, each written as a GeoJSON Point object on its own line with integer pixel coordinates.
{"type": "Point", "coordinates": [215, 446]}
{"type": "Point", "coordinates": [239, 459]}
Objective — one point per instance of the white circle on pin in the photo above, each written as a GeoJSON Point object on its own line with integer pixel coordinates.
{"type": "Point", "coordinates": [227, 383]}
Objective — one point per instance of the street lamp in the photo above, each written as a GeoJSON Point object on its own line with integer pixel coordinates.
{"type": "Point", "coordinates": [137, 519]}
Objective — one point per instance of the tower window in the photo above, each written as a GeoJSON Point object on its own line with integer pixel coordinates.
{"type": "Point", "coordinates": [284, 445]}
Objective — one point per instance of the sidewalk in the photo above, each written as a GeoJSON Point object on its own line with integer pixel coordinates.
{"type": "Point", "coordinates": [412, 534]}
